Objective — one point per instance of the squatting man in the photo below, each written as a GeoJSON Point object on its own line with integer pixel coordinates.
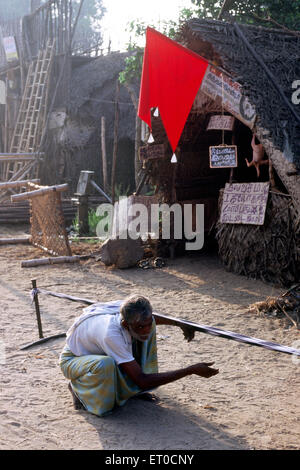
{"type": "Point", "coordinates": [110, 356]}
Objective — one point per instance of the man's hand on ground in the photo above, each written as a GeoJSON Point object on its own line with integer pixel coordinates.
{"type": "Point", "coordinates": [203, 369]}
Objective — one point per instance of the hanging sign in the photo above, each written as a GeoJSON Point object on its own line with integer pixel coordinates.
{"type": "Point", "coordinates": [216, 84]}
{"type": "Point", "coordinates": [10, 48]}
{"type": "Point", "coordinates": [220, 122]}
{"type": "Point", "coordinates": [2, 92]}
{"type": "Point", "coordinates": [223, 156]}
{"type": "Point", "coordinates": [244, 203]}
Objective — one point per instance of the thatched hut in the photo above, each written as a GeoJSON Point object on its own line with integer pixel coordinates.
{"type": "Point", "coordinates": [75, 134]}
{"type": "Point", "coordinates": [265, 71]}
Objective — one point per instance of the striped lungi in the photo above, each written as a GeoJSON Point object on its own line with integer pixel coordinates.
{"type": "Point", "coordinates": [98, 381]}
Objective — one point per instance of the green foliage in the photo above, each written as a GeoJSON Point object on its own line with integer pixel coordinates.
{"type": "Point", "coordinates": [93, 220]}
{"type": "Point", "coordinates": [121, 191]}
{"type": "Point", "coordinates": [133, 66]}
{"type": "Point", "coordinates": [284, 12]}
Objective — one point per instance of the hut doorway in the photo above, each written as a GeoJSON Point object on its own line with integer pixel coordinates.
{"type": "Point", "coordinates": [196, 183]}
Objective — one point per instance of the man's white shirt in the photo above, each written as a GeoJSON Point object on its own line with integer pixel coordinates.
{"type": "Point", "coordinates": [98, 331]}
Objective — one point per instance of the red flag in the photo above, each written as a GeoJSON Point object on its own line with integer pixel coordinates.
{"type": "Point", "coordinates": [171, 77]}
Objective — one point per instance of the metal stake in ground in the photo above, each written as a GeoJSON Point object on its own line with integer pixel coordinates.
{"type": "Point", "coordinates": [37, 308]}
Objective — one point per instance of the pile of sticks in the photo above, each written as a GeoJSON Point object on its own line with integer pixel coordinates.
{"type": "Point", "coordinates": [286, 305]}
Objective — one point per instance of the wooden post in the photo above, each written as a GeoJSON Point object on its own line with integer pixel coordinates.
{"type": "Point", "coordinates": [137, 144]}
{"type": "Point", "coordinates": [83, 215]}
{"type": "Point", "coordinates": [115, 148]}
{"type": "Point", "coordinates": [37, 310]}
{"type": "Point", "coordinates": [103, 149]}
{"type": "Point", "coordinates": [6, 120]}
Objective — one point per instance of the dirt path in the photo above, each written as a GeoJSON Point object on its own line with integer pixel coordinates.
{"type": "Point", "coordinates": [252, 404]}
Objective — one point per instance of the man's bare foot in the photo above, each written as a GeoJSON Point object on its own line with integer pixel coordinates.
{"type": "Point", "coordinates": [76, 402]}
{"type": "Point", "coordinates": [147, 397]}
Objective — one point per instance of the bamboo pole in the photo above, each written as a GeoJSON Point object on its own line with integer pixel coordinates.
{"type": "Point", "coordinates": [14, 241]}
{"type": "Point", "coordinates": [115, 148]}
{"type": "Point", "coordinates": [16, 184]}
{"type": "Point", "coordinates": [55, 260]}
{"type": "Point", "coordinates": [37, 309]}
{"type": "Point", "coordinates": [104, 159]}
{"type": "Point", "coordinates": [39, 192]}
{"type": "Point", "coordinates": [9, 157]}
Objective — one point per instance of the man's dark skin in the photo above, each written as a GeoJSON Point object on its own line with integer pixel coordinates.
{"type": "Point", "coordinates": [140, 330]}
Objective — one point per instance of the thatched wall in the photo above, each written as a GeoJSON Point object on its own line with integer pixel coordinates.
{"type": "Point", "coordinates": [283, 167]}
{"type": "Point", "coordinates": [270, 252]}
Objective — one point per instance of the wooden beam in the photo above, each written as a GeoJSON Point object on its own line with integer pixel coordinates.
{"type": "Point", "coordinates": [16, 184]}
{"type": "Point", "coordinates": [39, 192]}
{"type": "Point", "coordinates": [14, 241]}
{"type": "Point", "coordinates": [45, 261]}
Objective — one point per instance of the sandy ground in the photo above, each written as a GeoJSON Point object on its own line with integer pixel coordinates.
{"type": "Point", "coordinates": [253, 403]}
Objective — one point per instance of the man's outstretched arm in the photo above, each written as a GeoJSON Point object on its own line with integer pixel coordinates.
{"type": "Point", "coordinates": [188, 331]}
{"type": "Point", "coordinates": [146, 381]}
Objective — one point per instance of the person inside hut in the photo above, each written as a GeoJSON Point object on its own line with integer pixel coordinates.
{"type": "Point", "coordinates": [110, 356]}
{"type": "Point", "coordinates": [258, 155]}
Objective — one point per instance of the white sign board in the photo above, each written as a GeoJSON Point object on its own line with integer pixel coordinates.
{"type": "Point", "coordinates": [2, 92]}
{"type": "Point", "coordinates": [223, 156]}
{"type": "Point", "coordinates": [10, 48]}
{"type": "Point", "coordinates": [244, 203]}
{"type": "Point", "coordinates": [216, 84]}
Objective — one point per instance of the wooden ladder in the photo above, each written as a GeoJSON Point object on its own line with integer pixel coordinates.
{"type": "Point", "coordinates": [32, 113]}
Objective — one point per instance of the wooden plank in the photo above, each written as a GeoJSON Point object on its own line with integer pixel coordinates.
{"type": "Point", "coordinates": [14, 241]}
{"type": "Point", "coordinates": [16, 184]}
{"type": "Point", "coordinates": [39, 192]}
{"type": "Point", "coordinates": [18, 157]}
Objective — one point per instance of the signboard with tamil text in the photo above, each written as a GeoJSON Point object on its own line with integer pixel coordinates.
{"type": "Point", "coordinates": [223, 156]}
{"type": "Point", "coordinates": [244, 203]}
{"type": "Point", "coordinates": [220, 122]}
{"type": "Point", "coordinates": [216, 84]}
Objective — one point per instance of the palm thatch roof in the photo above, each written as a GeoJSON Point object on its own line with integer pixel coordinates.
{"type": "Point", "coordinates": [278, 124]}
{"type": "Point", "coordinates": [93, 91]}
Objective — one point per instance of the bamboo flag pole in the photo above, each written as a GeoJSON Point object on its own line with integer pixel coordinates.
{"type": "Point", "coordinates": [188, 328]}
